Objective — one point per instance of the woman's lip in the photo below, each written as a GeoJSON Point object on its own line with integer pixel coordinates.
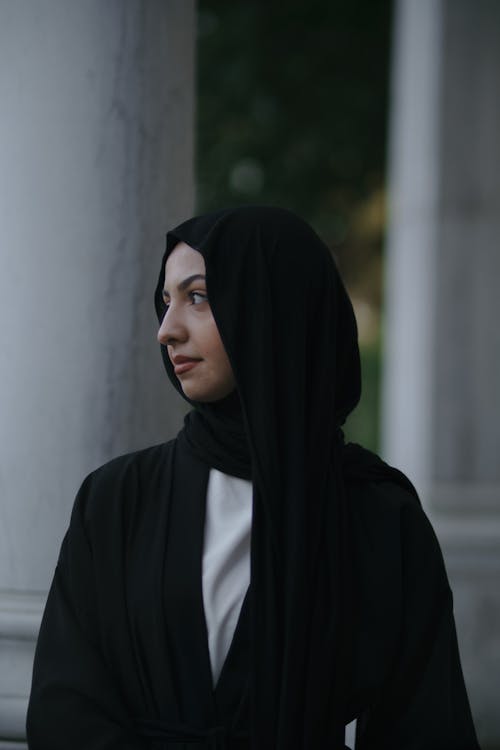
{"type": "Point", "coordinates": [185, 366]}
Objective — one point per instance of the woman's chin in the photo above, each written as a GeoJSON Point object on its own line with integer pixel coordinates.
{"type": "Point", "coordinates": [205, 395]}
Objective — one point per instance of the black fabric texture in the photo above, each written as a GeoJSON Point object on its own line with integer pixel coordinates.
{"type": "Point", "coordinates": [123, 649]}
{"type": "Point", "coordinates": [349, 611]}
{"type": "Point", "coordinates": [289, 330]}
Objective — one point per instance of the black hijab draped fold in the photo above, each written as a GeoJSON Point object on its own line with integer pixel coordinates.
{"type": "Point", "coordinates": [289, 330]}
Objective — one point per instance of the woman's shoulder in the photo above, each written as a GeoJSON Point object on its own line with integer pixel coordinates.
{"type": "Point", "coordinates": [123, 483]}
{"type": "Point", "coordinates": [141, 460]}
{"type": "Point", "coordinates": [383, 510]}
{"type": "Point", "coordinates": [385, 502]}
{"type": "Point", "coordinates": [391, 529]}
{"type": "Point", "coordinates": [362, 467]}
{"type": "Point", "coordinates": [385, 496]}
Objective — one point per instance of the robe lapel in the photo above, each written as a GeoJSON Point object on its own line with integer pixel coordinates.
{"type": "Point", "coordinates": [185, 624]}
{"type": "Point", "coordinates": [165, 612]}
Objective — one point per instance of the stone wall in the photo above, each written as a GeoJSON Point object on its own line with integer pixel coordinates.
{"type": "Point", "coordinates": [96, 162]}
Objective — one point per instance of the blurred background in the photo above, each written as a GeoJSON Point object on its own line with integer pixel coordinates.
{"type": "Point", "coordinates": [376, 121]}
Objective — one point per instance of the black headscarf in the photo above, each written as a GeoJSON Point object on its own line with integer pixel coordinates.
{"type": "Point", "coordinates": [289, 330]}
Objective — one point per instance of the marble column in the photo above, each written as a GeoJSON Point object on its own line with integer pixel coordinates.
{"type": "Point", "coordinates": [441, 400]}
{"type": "Point", "coordinates": [96, 162]}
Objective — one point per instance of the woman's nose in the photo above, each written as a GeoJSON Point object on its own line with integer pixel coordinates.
{"type": "Point", "coordinates": [171, 328]}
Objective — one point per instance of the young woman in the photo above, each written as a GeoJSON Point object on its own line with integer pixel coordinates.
{"type": "Point", "coordinates": [255, 582]}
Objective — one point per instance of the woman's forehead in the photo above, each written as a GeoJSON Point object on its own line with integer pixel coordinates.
{"type": "Point", "coordinates": [183, 261]}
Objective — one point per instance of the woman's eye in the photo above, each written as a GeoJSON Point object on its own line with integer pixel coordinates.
{"type": "Point", "coordinates": [197, 298]}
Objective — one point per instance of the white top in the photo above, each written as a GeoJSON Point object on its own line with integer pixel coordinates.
{"type": "Point", "coordinates": [226, 560]}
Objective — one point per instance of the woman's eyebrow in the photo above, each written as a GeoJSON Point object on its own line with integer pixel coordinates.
{"type": "Point", "coordinates": [183, 285]}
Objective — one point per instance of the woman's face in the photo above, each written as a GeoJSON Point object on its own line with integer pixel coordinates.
{"type": "Point", "coordinates": [188, 329]}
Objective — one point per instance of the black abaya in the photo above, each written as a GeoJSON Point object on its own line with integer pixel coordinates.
{"type": "Point", "coordinates": [123, 653]}
{"type": "Point", "coordinates": [349, 610]}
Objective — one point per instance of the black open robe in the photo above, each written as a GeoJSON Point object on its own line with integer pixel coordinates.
{"type": "Point", "coordinates": [122, 660]}
{"type": "Point", "coordinates": [349, 612]}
